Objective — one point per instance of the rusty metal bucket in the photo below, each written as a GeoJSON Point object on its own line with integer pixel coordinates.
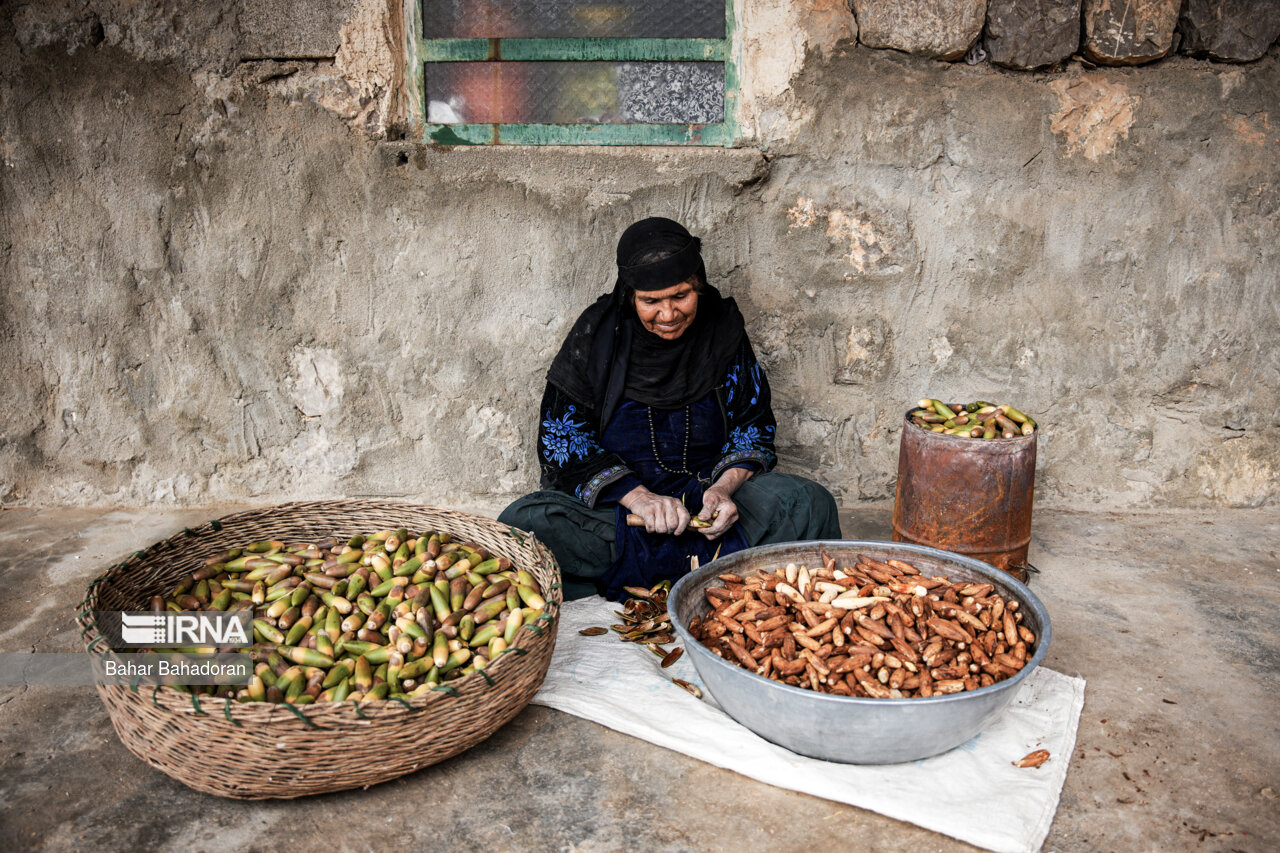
{"type": "Point", "coordinates": [972, 496]}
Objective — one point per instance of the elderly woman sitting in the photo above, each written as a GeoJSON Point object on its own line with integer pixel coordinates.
{"type": "Point", "coordinates": [656, 408]}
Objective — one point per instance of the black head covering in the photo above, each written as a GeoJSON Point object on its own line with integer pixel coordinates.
{"type": "Point", "coordinates": [609, 354]}
{"type": "Point", "coordinates": [680, 255]}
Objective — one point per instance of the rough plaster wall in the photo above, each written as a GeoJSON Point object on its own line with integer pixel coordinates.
{"type": "Point", "coordinates": [1073, 254]}
{"type": "Point", "coordinates": [218, 284]}
{"type": "Point", "coordinates": [774, 38]}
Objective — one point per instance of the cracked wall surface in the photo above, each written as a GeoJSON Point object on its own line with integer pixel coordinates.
{"type": "Point", "coordinates": [226, 276]}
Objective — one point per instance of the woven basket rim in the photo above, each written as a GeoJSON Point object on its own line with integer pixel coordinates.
{"type": "Point", "coordinates": [262, 712]}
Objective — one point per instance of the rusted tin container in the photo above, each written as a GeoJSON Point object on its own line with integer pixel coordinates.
{"type": "Point", "coordinates": [972, 496]}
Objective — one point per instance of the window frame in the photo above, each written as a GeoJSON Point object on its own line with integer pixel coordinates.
{"type": "Point", "coordinates": [421, 50]}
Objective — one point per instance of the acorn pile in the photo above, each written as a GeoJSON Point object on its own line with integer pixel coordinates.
{"type": "Point", "coordinates": [978, 419]}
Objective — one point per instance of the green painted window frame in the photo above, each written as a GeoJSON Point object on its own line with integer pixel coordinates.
{"type": "Point", "coordinates": [420, 51]}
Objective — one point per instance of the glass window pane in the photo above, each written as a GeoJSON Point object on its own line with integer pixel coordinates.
{"type": "Point", "coordinates": [575, 92]}
{"type": "Point", "coordinates": [573, 19]}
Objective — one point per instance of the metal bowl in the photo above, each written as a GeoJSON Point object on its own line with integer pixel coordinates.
{"type": "Point", "coordinates": [848, 729]}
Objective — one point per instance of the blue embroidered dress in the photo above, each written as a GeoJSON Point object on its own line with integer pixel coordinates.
{"type": "Point", "coordinates": [674, 452]}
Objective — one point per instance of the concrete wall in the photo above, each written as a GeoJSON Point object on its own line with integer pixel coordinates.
{"type": "Point", "coordinates": [225, 278]}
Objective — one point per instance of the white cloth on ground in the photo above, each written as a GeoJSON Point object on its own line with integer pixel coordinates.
{"type": "Point", "coordinates": [621, 686]}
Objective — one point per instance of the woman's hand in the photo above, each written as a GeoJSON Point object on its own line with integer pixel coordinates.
{"type": "Point", "coordinates": [719, 509]}
{"type": "Point", "coordinates": [717, 505]}
{"type": "Point", "coordinates": [661, 514]}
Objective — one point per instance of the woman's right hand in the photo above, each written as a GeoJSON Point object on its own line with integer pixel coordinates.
{"type": "Point", "coordinates": [661, 514]}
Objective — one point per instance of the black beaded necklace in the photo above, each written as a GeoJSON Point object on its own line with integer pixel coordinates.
{"type": "Point", "coordinates": [684, 454]}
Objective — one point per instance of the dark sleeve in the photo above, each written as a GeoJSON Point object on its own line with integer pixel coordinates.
{"type": "Point", "coordinates": [749, 416]}
{"type": "Point", "coordinates": [570, 454]}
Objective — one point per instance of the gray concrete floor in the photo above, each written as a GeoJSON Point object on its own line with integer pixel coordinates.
{"type": "Point", "coordinates": [1171, 618]}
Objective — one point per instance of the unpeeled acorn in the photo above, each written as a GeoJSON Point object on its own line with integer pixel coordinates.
{"type": "Point", "coordinates": [371, 617]}
{"type": "Point", "coordinates": [978, 419]}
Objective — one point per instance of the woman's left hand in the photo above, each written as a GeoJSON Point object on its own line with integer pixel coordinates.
{"type": "Point", "coordinates": [719, 509]}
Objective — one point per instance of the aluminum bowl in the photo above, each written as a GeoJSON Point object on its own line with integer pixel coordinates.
{"type": "Point", "coordinates": [848, 729]}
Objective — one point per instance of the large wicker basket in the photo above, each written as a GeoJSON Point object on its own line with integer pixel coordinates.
{"type": "Point", "coordinates": [257, 750]}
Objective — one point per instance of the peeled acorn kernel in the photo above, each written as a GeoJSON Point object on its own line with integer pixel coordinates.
{"type": "Point", "coordinates": [948, 649]}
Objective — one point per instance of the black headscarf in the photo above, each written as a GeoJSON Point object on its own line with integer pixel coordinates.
{"type": "Point", "coordinates": [608, 354]}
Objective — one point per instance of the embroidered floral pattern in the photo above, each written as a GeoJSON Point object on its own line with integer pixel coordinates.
{"type": "Point", "coordinates": [565, 437]}
{"type": "Point", "coordinates": [748, 438]}
{"type": "Point", "coordinates": [747, 444]}
{"type": "Point", "coordinates": [736, 382]}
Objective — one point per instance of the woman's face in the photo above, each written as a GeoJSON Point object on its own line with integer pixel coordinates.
{"type": "Point", "coordinates": [668, 313]}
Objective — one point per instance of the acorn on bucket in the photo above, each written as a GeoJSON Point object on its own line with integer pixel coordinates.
{"type": "Point", "coordinates": [978, 419]}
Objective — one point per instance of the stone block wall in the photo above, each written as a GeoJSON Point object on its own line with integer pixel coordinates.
{"type": "Point", "coordinates": [1031, 34]}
